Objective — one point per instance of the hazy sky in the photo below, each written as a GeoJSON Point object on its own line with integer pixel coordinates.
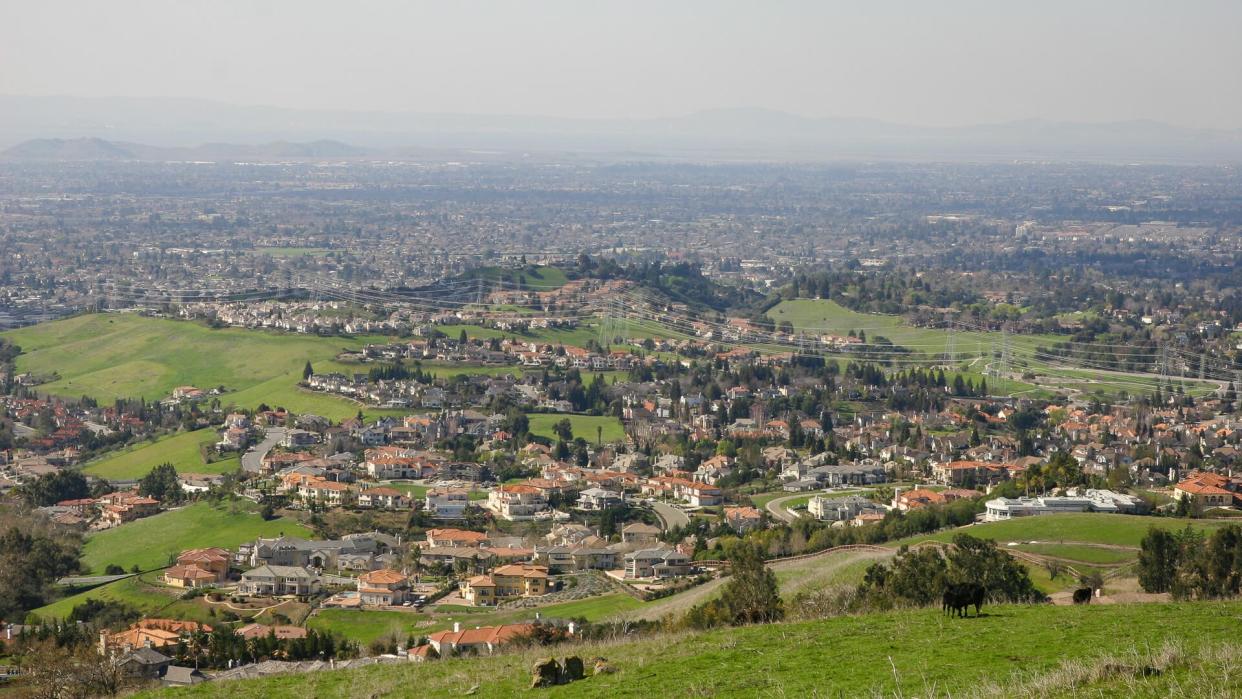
{"type": "Point", "coordinates": [943, 62]}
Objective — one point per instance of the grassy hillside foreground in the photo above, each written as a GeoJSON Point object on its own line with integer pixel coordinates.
{"type": "Point", "coordinates": [1101, 650]}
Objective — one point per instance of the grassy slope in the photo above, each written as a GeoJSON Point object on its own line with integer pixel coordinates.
{"type": "Point", "coordinates": [141, 592]}
{"type": "Point", "coordinates": [122, 355]}
{"type": "Point", "coordinates": [1119, 530]}
{"type": "Point", "coordinates": [905, 653]}
{"type": "Point", "coordinates": [583, 426]}
{"type": "Point", "coordinates": [829, 317]}
{"type": "Point", "coordinates": [148, 542]}
{"type": "Point", "coordinates": [181, 450]}
{"type": "Point", "coordinates": [822, 316]}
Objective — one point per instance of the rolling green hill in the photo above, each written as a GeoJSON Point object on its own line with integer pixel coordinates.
{"type": "Point", "coordinates": [148, 542]}
{"type": "Point", "coordinates": [121, 355]}
{"type": "Point", "coordinates": [182, 450]}
{"type": "Point", "coordinates": [1097, 650]}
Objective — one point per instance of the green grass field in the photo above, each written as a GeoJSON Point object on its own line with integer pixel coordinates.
{"type": "Point", "coordinates": [583, 426]}
{"type": "Point", "coordinates": [143, 593]}
{"type": "Point", "coordinates": [181, 450]}
{"type": "Point", "coordinates": [1080, 553]}
{"type": "Point", "coordinates": [535, 278]}
{"type": "Point", "coordinates": [828, 317]}
{"type": "Point", "coordinates": [366, 626]}
{"type": "Point", "coordinates": [149, 595]}
{"type": "Point", "coordinates": [149, 542]}
{"type": "Point", "coordinates": [111, 355]}
{"type": "Point", "coordinates": [899, 654]}
{"type": "Point", "coordinates": [1119, 530]}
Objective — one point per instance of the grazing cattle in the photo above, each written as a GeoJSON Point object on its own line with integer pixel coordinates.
{"type": "Point", "coordinates": [959, 597]}
{"type": "Point", "coordinates": [1083, 595]}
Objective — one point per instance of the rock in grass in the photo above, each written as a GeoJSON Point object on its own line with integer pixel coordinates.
{"type": "Point", "coordinates": [571, 670]}
{"type": "Point", "coordinates": [545, 673]}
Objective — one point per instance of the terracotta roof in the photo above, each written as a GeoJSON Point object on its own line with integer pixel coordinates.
{"type": "Point", "coordinates": [383, 577]}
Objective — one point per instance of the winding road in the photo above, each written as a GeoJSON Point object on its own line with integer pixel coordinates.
{"type": "Point", "coordinates": [252, 461]}
{"type": "Point", "coordinates": [670, 516]}
{"type": "Point", "coordinates": [776, 507]}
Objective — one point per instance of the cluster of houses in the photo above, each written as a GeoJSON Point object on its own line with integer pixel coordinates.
{"type": "Point", "coordinates": [104, 512]}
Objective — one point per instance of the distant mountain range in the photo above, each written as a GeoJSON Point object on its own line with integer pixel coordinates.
{"type": "Point", "coordinates": [90, 148]}
{"type": "Point", "coordinates": [70, 128]}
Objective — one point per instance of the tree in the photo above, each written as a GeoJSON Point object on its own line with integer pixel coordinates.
{"type": "Point", "coordinates": [162, 484]}
{"type": "Point", "coordinates": [751, 595]}
{"type": "Point", "coordinates": [69, 671]}
{"type": "Point", "coordinates": [307, 371]}
{"type": "Point", "coordinates": [981, 561]}
{"type": "Point", "coordinates": [564, 429]}
{"type": "Point", "coordinates": [51, 488]}
{"type": "Point", "coordinates": [1160, 556]}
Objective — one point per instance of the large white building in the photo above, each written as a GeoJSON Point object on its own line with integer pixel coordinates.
{"type": "Point", "coordinates": [1090, 501]}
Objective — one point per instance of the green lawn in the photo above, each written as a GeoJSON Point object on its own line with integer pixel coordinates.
{"type": "Point", "coordinates": [1121, 530]}
{"type": "Point", "coordinates": [149, 542]}
{"type": "Point", "coordinates": [535, 278]}
{"type": "Point", "coordinates": [366, 626]}
{"type": "Point", "coordinates": [181, 450]}
{"type": "Point", "coordinates": [143, 592]}
{"type": "Point", "coordinates": [828, 317]}
{"type": "Point", "coordinates": [149, 595]}
{"type": "Point", "coordinates": [905, 653]}
{"type": "Point", "coordinates": [583, 426]}
{"type": "Point", "coordinates": [110, 355]}
{"type": "Point", "coordinates": [1080, 553]}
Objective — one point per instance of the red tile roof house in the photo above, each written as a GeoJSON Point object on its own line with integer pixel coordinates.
{"type": "Point", "coordinates": [1206, 490]}
{"type": "Point", "coordinates": [483, 640]}
{"type": "Point", "coordinates": [383, 588]}
{"type": "Point", "coordinates": [453, 538]}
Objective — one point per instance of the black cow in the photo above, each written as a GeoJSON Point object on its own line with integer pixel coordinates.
{"type": "Point", "coordinates": [1083, 595]}
{"type": "Point", "coordinates": [958, 598]}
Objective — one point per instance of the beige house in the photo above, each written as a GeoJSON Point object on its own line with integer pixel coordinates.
{"type": "Point", "coordinates": [383, 588]}
{"type": "Point", "coordinates": [506, 582]}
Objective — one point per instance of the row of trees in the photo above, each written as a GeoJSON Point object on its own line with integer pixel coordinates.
{"type": "Point", "coordinates": [1191, 565]}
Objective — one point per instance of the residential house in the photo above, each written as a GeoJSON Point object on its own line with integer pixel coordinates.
{"type": "Point", "coordinates": [483, 640]}
{"type": "Point", "coordinates": [656, 563]}
{"type": "Point", "coordinates": [278, 581]}
{"type": "Point", "coordinates": [383, 498]}
{"type": "Point", "coordinates": [447, 503]}
{"type": "Point", "coordinates": [506, 582]}
{"type": "Point", "coordinates": [516, 502]}
{"type": "Point", "coordinates": [383, 588]}
{"type": "Point", "coordinates": [595, 499]}
{"type": "Point", "coordinates": [640, 534]}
